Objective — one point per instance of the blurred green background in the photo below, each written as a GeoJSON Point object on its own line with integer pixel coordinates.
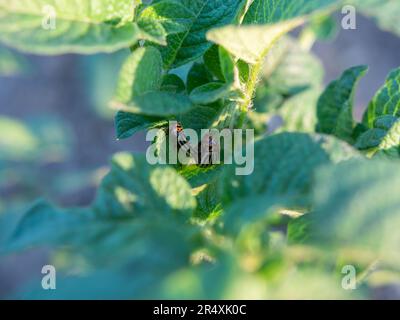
{"type": "Point", "coordinates": [57, 132]}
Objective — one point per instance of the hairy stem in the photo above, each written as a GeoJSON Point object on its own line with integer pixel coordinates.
{"type": "Point", "coordinates": [249, 92]}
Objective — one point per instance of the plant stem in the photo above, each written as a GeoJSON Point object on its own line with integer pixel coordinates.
{"type": "Point", "coordinates": [249, 92]}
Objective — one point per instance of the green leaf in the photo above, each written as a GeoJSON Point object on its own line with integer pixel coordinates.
{"type": "Point", "coordinates": [298, 70]}
{"type": "Point", "coordinates": [198, 75]}
{"type": "Point", "coordinates": [227, 65]}
{"type": "Point", "coordinates": [210, 92]}
{"type": "Point", "coordinates": [208, 203]}
{"type": "Point", "coordinates": [157, 103]}
{"type": "Point", "coordinates": [335, 106]}
{"type": "Point", "coordinates": [135, 188]}
{"type": "Point", "coordinates": [140, 73]}
{"type": "Point", "coordinates": [357, 204]}
{"type": "Point", "coordinates": [86, 27]}
{"type": "Point", "coordinates": [153, 31]}
{"type": "Point", "coordinates": [386, 101]}
{"type": "Point", "coordinates": [144, 254]}
{"type": "Point", "coordinates": [212, 62]}
{"type": "Point", "coordinates": [379, 132]}
{"type": "Point", "coordinates": [90, 241]}
{"type": "Point", "coordinates": [173, 16]}
{"type": "Point", "coordinates": [299, 229]}
{"type": "Point", "coordinates": [299, 112]}
{"type": "Point", "coordinates": [384, 12]}
{"type": "Point", "coordinates": [189, 45]}
{"type": "Point", "coordinates": [323, 27]}
{"type": "Point", "coordinates": [265, 11]}
{"type": "Point", "coordinates": [198, 177]}
{"type": "Point", "coordinates": [200, 117]}
{"type": "Point", "coordinates": [384, 138]}
{"type": "Point", "coordinates": [293, 88]}
{"type": "Point", "coordinates": [281, 179]}
{"type": "Point", "coordinates": [127, 124]}
{"type": "Point", "coordinates": [173, 83]}
{"type": "Point", "coordinates": [254, 210]}
{"type": "Point", "coordinates": [251, 43]}
{"type": "Point", "coordinates": [283, 166]}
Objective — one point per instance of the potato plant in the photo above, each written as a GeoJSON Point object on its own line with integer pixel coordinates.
{"type": "Point", "coordinates": [324, 194]}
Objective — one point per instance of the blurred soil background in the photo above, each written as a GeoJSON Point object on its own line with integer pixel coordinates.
{"type": "Point", "coordinates": [60, 106]}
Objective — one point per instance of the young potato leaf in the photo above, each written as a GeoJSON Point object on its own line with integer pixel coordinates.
{"type": "Point", "coordinates": [171, 14]}
{"type": "Point", "coordinates": [264, 23]}
{"type": "Point", "coordinates": [266, 11]}
{"type": "Point", "coordinates": [211, 92]}
{"type": "Point", "coordinates": [383, 139]}
{"type": "Point", "coordinates": [153, 31]}
{"type": "Point", "coordinates": [386, 101]}
{"type": "Point", "coordinates": [157, 103]}
{"type": "Point", "coordinates": [227, 65]}
{"type": "Point", "coordinates": [198, 75]}
{"type": "Point", "coordinates": [211, 60]}
{"type": "Point", "coordinates": [335, 106]}
{"type": "Point", "coordinates": [127, 124]}
{"type": "Point", "coordinates": [141, 73]}
{"type": "Point", "coordinates": [200, 117]}
{"type": "Point", "coordinates": [379, 133]}
{"type": "Point", "coordinates": [189, 45]}
{"type": "Point", "coordinates": [251, 43]}
{"type": "Point", "coordinates": [171, 82]}
{"type": "Point", "coordinates": [86, 26]}
{"type": "Point", "coordinates": [299, 112]}
{"type": "Point", "coordinates": [293, 87]}
{"type": "Point", "coordinates": [298, 70]}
